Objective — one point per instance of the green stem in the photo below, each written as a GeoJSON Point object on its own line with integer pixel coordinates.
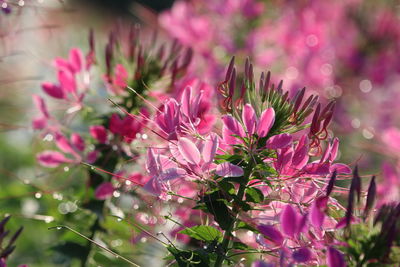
{"type": "Point", "coordinates": [227, 235]}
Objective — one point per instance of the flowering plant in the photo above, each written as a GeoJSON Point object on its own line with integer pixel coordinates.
{"type": "Point", "coordinates": [237, 182]}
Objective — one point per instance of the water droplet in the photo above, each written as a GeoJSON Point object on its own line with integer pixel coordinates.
{"type": "Point", "coordinates": [4, 5]}
{"type": "Point", "coordinates": [66, 169]}
{"type": "Point", "coordinates": [21, 3]}
{"type": "Point", "coordinates": [48, 219]}
{"type": "Point", "coordinates": [59, 227]}
{"type": "Point", "coordinates": [119, 219]}
{"type": "Point", "coordinates": [144, 136]}
{"type": "Point", "coordinates": [93, 168]}
{"type": "Point", "coordinates": [38, 195]}
{"type": "Point", "coordinates": [312, 40]}
{"type": "Point", "coordinates": [48, 138]}
{"type": "Point", "coordinates": [365, 86]}
{"type": "Point", "coordinates": [116, 194]}
{"type": "Point", "coordinates": [128, 182]}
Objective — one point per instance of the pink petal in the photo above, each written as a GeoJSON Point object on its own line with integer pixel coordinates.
{"type": "Point", "coordinates": [266, 122]}
{"type": "Point", "coordinates": [317, 168]}
{"type": "Point", "coordinates": [334, 150]}
{"type": "Point", "coordinates": [271, 233]}
{"type": "Point", "coordinates": [249, 118]}
{"type": "Point", "coordinates": [104, 191]}
{"type": "Point", "coordinates": [302, 255]}
{"type": "Point", "coordinates": [335, 258]}
{"type": "Point", "coordinates": [92, 156]}
{"type": "Point", "coordinates": [154, 186]}
{"type": "Point", "coordinates": [51, 159]}
{"type": "Point", "coordinates": [67, 81]}
{"type": "Point", "coordinates": [317, 211]}
{"type": "Point", "coordinates": [185, 100]}
{"type": "Point", "coordinates": [41, 105]}
{"type": "Point", "coordinates": [189, 151]}
{"type": "Point", "coordinates": [279, 141]}
{"type": "Point", "coordinates": [340, 168]}
{"type": "Point", "coordinates": [233, 125]}
{"type": "Point", "coordinates": [228, 137]}
{"type": "Point", "coordinates": [63, 143]}
{"type": "Point", "coordinates": [39, 123]}
{"type": "Point", "coordinates": [63, 64]}
{"type": "Point", "coordinates": [76, 59]}
{"type": "Point", "coordinates": [284, 158]}
{"type": "Point", "coordinates": [289, 221]}
{"type": "Point", "coordinates": [77, 141]}
{"type": "Point", "coordinates": [116, 124]}
{"type": "Point", "coordinates": [121, 76]}
{"type": "Point", "coordinates": [210, 148]}
{"type": "Point", "coordinates": [53, 90]}
{"type": "Point", "coordinates": [151, 163]}
{"type": "Point", "coordinates": [99, 133]}
{"type": "Point", "coordinates": [171, 174]}
{"type": "Point", "coordinates": [259, 263]}
{"type": "Point", "coordinates": [227, 169]}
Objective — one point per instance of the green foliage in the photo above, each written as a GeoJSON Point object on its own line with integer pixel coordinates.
{"type": "Point", "coordinates": [203, 233]}
{"type": "Point", "coordinates": [254, 195]}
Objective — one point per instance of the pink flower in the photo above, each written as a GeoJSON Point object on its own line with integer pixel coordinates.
{"type": "Point", "coordinates": [52, 159]}
{"type": "Point", "coordinates": [335, 258]}
{"type": "Point", "coordinates": [104, 191]}
{"type": "Point", "coordinates": [99, 133]}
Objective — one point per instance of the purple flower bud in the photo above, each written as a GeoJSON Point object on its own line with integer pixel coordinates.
{"type": "Point", "coordinates": [230, 69]}
{"type": "Point", "coordinates": [301, 255]}
{"type": "Point", "coordinates": [331, 183]}
{"type": "Point", "coordinates": [289, 221]}
{"type": "Point", "coordinates": [335, 258]}
{"type": "Point", "coordinates": [271, 233]}
{"type": "Point", "coordinates": [267, 81]}
{"type": "Point", "coordinates": [370, 197]}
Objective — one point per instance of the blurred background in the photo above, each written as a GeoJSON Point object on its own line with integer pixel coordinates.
{"type": "Point", "coordinates": [346, 50]}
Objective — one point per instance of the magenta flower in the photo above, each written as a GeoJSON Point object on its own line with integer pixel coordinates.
{"type": "Point", "coordinates": [104, 191]}
{"type": "Point", "coordinates": [73, 148]}
{"type": "Point", "coordinates": [335, 258]}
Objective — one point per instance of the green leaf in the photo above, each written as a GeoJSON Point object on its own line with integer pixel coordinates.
{"type": "Point", "coordinates": [240, 246]}
{"type": "Point", "coordinates": [186, 258]}
{"type": "Point", "coordinates": [227, 187]}
{"type": "Point", "coordinates": [216, 205]}
{"type": "Point", "coordinates": [203, 233]}
{"type": "Point", "coordinates": [254, 195]}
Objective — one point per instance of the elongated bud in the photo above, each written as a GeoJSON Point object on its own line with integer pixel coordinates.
{"type": "Point", "coordinates": [246, 68]}
{"type": "Point", "coordinates": [232, 83]}
{"type": "Point", "coordinates": [109, 55]}
{"type": "Point", "coordinates": [298, 99]}
{"type": "Point", "coordinates": [356, 183]}
{"type": "Point", "coordinates": [279, 88]}
{"type": "Point", "coordinates": [315, 124]}
{"type": "Point", "coordinates": [251, 75]}
{"type": "Point", "coordinates": [331, 183]}
{"type": "Point", "coordinates": [267, 81]}
{"type": "Point", "coordinates": [370, 197]}
{"type": "Point", "coordinates": [91, 40]}
{"type": "Point", "coordinates": [230, 69]}
{"type": "Point", "coordinates": [261, 83]}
